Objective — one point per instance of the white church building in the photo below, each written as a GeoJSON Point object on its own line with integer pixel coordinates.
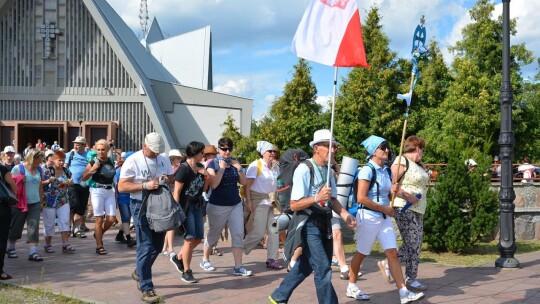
{"type": "Point", "coordinates": [74, 66]}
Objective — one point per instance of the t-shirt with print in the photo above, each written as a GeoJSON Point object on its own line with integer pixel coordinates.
{"type": "Point", "coordinates": [266, 181]}
{"type": "Point", "coordinates": [414, 181]}
{"type": "Point", "coordinates": [226, 193]}
{"type": "Point", "coordinates": [385, 185]}
{"type": "Point", "coordinates": [193, 185]}
{"type": "Point", "coordinates": [31, 185]}
{"type": "Point", "coordinates": [141, 169]}
{"type": "Point", "coordinates": [56, 193]}
{"type": "Point", "coordinates": [77, 166]}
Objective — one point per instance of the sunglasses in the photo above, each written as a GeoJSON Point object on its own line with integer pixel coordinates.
{"type": "Point", "coordinates": [224, 149]}
{"type": "Point", "coordinates": [271, 151]}
{"type": "Point", "coordinates": [384, 146]}
{"type": "Point", "coordinates": [328, 145]}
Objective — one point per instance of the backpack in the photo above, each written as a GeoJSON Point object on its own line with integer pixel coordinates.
{"type": "Point", "coordinates": [162, 211]}
{"type": "Point", "coordinates": [288, 162]}
{"type": "Point", "coordinates": [353, 206]}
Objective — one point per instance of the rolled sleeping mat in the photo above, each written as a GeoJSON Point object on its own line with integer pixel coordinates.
{"type": "Point", "coordinates": [280, 222]}
{"type": "Point", "coordinates": [345, 179]}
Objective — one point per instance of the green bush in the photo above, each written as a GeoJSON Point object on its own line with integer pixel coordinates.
{"type": "Point", "coordinates": [461, 211]}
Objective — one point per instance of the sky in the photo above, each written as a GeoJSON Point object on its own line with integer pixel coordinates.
{"type": "Point", "coordinates": [251, 39]}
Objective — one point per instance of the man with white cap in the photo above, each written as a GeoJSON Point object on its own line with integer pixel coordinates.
{"type": "Point", "coordinates": [8, 160]}
{"type": "Point", "coordinates": [142, 171]}
{"type": "Point", "coordinates": [313, 201]}
{"type": "Point", "coordinates": [78, 192]}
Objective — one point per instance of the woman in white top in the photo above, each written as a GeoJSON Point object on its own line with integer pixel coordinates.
{"type": "Point", "coordinates": [261, 187]}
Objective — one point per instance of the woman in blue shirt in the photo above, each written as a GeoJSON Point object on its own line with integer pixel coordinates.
{"type": "Point", "coordinates": [373, 218]}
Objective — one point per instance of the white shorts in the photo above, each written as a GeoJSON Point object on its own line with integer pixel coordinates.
{"type": "Point", "coordinates": [50, 216]}
{"type": "Point", "coordinates": [103, 201]}
{"type": "Point", "coordinates": [370, 228]}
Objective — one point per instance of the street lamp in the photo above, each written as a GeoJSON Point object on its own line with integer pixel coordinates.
{"type": "Point", "coordinates": [507, 239]}
{"type": "Point", "coordinates": [81, 116]}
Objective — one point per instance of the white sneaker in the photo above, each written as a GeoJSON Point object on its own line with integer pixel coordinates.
{"type": "Point", "coordinates": [241, 271]}
{"type": "Point", "coordinates": [207, 266]}
{"type": "Point", "coordinates": [410, 297]}
{"type": "Point", "coordinates": [357, 294]}
{"type": "Point", "coordinates": [415, 285]}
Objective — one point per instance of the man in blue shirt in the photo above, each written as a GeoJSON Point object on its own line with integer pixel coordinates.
{"type": "Point", "coordinates": [315, 201]}
{"type": "Point", "coordinates": [78, 191]}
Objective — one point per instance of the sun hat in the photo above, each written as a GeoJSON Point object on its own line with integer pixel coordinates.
{"type": "Point", "coordinates": [154, 142]}
{"type": "Point", "coordinates": [470, 162]}
{"type": "Point", "coordinates": [320, 136]}
{"type": "Point", "coordinates": [210, 149]}
{"type": "Point", "coordinates": [263, 146]}
{"type": "Point", "coordinates": [80, 140]}
{"type": "Point", "coordinates": [371, 144]}
{"type": "Point", "coordinates": [175, 153]}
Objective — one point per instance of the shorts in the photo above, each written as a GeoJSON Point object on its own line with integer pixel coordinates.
{"type": "Point", "coordinates": [78, 199]}
{"type": "Point", "coordinates": [370, 228]}
{"type": "Point", "coordinates": [103, 201]}
{"type": "Point", "coordinates": [194, 224]}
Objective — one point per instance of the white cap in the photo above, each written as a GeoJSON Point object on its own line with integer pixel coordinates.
{"type": "Point", "coordinates": [322, 136]}
{"type": "Point", "coordinates": [470, 162]}
{"type": "Point", "coordinates": [17, 156]}
{"type": "Point", "coordinates": [154, 142]}
{"type": "Point", "coordinates": [175, 152]}
{"type": "Point", "coordinates": [9, 149]}
{"type": "Point", "coordinates": [48, 153]}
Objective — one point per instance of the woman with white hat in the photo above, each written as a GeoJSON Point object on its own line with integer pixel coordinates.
{"type": "Point", "coordinates": [261, 199]}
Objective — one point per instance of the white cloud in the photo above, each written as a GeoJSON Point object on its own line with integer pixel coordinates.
{"type": "Point", "coordinates": [239, 87]}
{"type": "Point", "coordinates": [324, 101]}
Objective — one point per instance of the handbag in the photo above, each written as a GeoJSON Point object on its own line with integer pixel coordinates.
{"type": "Point", "coordinates": [6, 196]}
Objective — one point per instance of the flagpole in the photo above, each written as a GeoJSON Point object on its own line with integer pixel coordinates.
{"type": "Point", "coordinates": [331, 128]}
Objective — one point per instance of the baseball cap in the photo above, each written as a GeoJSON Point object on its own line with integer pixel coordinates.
{"type": "Point", "coordinates": [8, 149]}
{"type": "Point", "coordinates": [154, 142]}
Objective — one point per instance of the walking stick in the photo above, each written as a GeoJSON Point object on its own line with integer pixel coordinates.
{"type": "Point", "coordinates": [418, 52]}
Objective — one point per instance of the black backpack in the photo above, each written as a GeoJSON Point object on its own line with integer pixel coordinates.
{"type": "Point", "coordinates": [288, 162]}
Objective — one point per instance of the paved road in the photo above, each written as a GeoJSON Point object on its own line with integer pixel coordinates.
{"type": "Point", "coordinates": [106, 279]}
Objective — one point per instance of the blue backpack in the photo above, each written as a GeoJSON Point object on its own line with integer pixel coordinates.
{"type": "Point", "coordinates": [353, 205]}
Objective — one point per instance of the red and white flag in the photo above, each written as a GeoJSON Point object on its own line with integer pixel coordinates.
{"type": "Point", "coordinates": [330, 33]}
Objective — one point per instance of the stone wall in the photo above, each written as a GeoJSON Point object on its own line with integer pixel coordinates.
{"type": "Point", "coordinates": [527, 210]}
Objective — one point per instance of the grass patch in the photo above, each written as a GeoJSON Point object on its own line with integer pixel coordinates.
{"type": "Point", "coordinates": [15, 294]}
{"type": "Point", "coordinates": [482, 253]}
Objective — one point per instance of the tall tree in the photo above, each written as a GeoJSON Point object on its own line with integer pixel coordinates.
{"type": "Point", "coordinates": [470, 112]}
{"type": "Point", "coordinates": [295, 115]}
{"type": "Point", "coordinates": [367, 102]}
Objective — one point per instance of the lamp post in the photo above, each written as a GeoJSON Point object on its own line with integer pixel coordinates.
{"type": "Point", "coordinates": [81, 116]}
{"type": "Point", "coordinates": [507, 239]}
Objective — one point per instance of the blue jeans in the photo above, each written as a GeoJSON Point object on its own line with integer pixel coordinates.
{"type": "Point", "coordinates": [125, 213]}
{"type": "Point", "coordinates": [316, 255]}
{"type": "Point", "coordinates": [149, 245]}
{"type": "Point", "coordinates": [194, 224]}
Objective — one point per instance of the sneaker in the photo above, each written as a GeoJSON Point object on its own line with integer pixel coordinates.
{"type": "Point", "coordinates": [11, 254]}
{"type": "Point", "coordinates": [410, 297]}
{"type": "Point", "coordinates": [334, 264]}
{"type": "Point", "coordinates": [274, 301]}
{"type": "Point", "coordinates": [177, 263]}
{"type": "Point", "coordinates": [130, 242]}
{"type": "Point", "coordinates": [357, 294]}
{"type": "Point", "coordinates": [241, 271]}
{"type": "Point", "coordinates": [207, 266]}
{"type": "Point", "coordinates": [385, 271]}
{"type": "Point", "coordinates": [120, 237]}
{"type": "Point", "coordinates": [344, 275]}
{"type": "Point", "coordinates": [149, 296]}
{"type": "Point", "coordinates": [415, 285]}
{"type": "Point", "coordinates": [84, 228]}
{"type": "Point", "coordinates": [187, 277]}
